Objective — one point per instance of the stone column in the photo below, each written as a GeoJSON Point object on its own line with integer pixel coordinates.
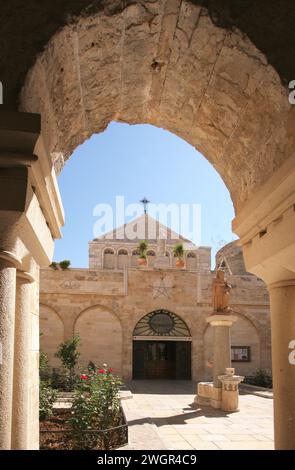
{"type": "Point", "coordinates": [282, 302]}
{"type": "Point", "coordinates": [21, 411]}
{"type": "Point", "coordinates": [7, 311]}
{"type": "Point", "coordinates": [31, 215]}
{"type": "Point", "coordinates": [222, 344]}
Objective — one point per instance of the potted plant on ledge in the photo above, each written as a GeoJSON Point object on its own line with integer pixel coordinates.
{"type": "Point", "coordinates": [178, 251]}
{"type": "Point", "coordinates": [142, 248]}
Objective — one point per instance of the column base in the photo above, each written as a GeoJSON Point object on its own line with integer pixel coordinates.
{"type": "Point", "coordinates": [208, 395]}
{"type": "Point", "coordinates": [225, 398]}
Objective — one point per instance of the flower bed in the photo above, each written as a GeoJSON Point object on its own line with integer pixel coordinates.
{"type": "Point", "coordinates": [95, 419]}
{"type": "Point", "coordinates": [56, 434]}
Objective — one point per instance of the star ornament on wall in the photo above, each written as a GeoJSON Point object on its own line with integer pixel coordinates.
{"type": "Point", "coordinates": [161, 290]}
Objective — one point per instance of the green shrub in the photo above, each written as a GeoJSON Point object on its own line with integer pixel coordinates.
{"type": "Point", "coordinates": [65, 264]}
{"type": "Point", "coordinates": [44, 369]}
{"type": "Point", "coordinates": [47, 397]}
{"type": "Point", "coordinates": [261, 378]}
{"type": "Point", "coordinates": [178, 250]}
{"type": "Point", "coordinates": [54, 265]}
{"type": "Point", "coordinates": [96, 406]}
{"type": "Point", "coordinates": [142, 248]}
{"type": "Point", "coordinates": [68, 354]}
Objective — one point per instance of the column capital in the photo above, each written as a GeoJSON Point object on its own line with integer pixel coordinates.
{"type": "Point", "coordinates": [31, 213]}
{"type": "Point", "coordinates": [266, 227]}
{"type": "Point", "coordinates": [11, 258]}
{"type": "Point", "coordinates": [25, 276]}
{"type": "Point", "coordinates": [18, 136]}
{"type": "Point", "coordinates": [221, 320]}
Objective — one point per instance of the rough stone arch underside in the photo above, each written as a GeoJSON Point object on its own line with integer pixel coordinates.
{"type": "Point", "coordinates": [164, 63]}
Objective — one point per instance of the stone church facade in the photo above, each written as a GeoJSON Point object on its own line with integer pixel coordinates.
{"type": "Point", "coordinates": [150, 322]}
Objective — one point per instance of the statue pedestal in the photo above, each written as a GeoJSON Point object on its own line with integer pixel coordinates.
{"type": "Point", "coordinates": [220, 394]}
{"type": "Point", "coordinates": [222, 344]}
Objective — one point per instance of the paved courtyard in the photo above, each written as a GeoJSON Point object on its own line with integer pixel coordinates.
{"type": "Point", "coordinates": [161, 415]}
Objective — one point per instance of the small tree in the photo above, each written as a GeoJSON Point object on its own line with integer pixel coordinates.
{"type": "Point", "coordinates": [68, 354]}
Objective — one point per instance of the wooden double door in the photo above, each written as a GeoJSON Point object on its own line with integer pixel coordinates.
{"type": "Point", "coordinates": [162, 360]}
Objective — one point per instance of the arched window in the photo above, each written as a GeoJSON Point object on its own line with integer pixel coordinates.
{"type": "Point", "coordinates": [135, 254]}
{"type": "Point", "coordinates": [151, 253]}
{"type": "Point", "coordinates": [151, 258]}
{"type": "Point", "coordinates": [191, 261]}
{"type": "Point", "coordinates": [122, 258]}
{"type": "Point", "coordinates": [122, 251]}
{"type": "Point", "coordinates": [109, 258]}
{"type": "Point", "coordinates": [161, 323]}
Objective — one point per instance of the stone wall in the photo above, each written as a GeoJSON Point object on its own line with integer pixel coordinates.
{"type": "Point", "coordinates": [104, 307]}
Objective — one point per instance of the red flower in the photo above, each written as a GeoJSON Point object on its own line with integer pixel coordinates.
{"type": "Point", "coordinates": [84, 377]}
{"type": "Point", "coordinates": [110, 370]}
{"type": "Point", "coordinates": [101, 371]}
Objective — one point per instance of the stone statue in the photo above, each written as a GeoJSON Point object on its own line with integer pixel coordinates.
{"type": "Point", "coordinates": [221, 293]}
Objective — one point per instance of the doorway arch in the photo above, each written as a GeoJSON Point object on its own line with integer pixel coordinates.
{"type": "Point", "coordinates": [161, 347]}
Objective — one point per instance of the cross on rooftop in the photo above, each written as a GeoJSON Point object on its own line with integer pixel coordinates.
{"type": "Point", "coordinates": [145, 203]}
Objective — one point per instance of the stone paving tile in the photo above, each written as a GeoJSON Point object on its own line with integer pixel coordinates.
{"type": "Point", "coordinates": [245, 445]}
{"type": "Point", "coordinates": [161, 416]}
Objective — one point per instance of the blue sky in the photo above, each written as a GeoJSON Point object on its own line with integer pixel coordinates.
{"type": "Point", "coordinates": [137, 161]}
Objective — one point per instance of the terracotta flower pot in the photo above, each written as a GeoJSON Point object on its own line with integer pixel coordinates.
{"type": "Point", "coordinates": [141, 261]}
{"type": "Point", "coordinates": [179, 263]}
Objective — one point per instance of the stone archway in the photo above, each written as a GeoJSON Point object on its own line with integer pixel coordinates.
{"type": "Point", "coordinates": [167, 64]}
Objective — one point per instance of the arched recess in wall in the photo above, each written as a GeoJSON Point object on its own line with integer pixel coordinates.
{"type": "Point", "coordinates": [109, 258]}
{"type": "Point", "coordinates": [151, 254]}
{"type": "Point", "coordinates": [101, 338]}
{"type": "Point", "coordinates": [191, 261]}
{"type": "Point", "coordinates": [243, 334]}
{"type": "Point", "coordinates": [123, 258]}
{"type": "Point", "coordinates": [52, 333]}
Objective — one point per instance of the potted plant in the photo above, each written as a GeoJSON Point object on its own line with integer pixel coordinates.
{"type": "Point", "coordinates": [178, 251]}
{"type": "Point", "coordinates": [142, 258]}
